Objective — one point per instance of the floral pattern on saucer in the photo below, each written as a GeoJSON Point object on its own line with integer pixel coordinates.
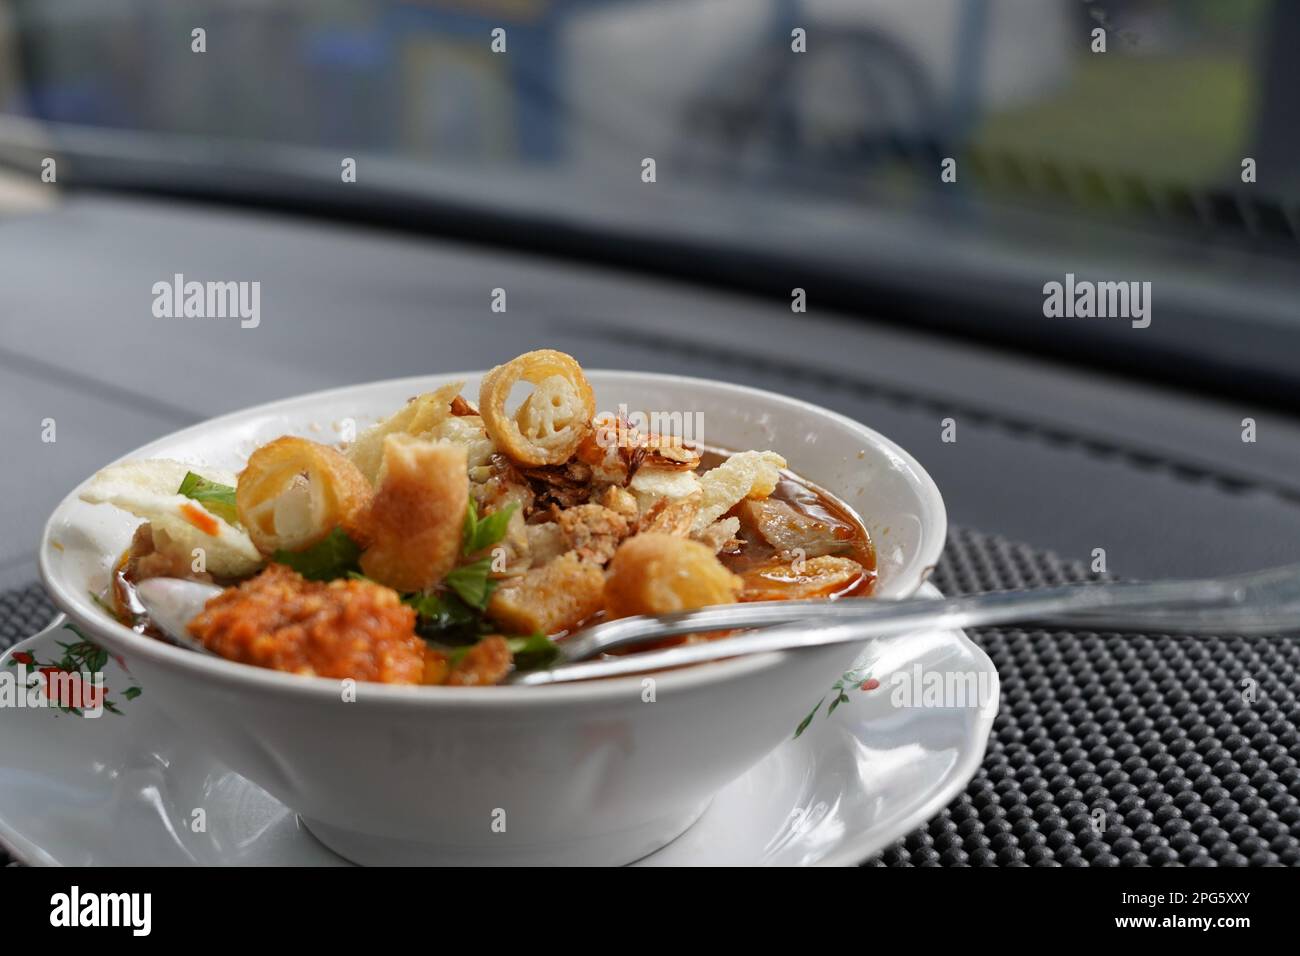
{"type": "Point", "coordinates": [79, 657]}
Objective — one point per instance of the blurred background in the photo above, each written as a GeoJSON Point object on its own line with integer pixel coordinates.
{"type": "Point", "coordinates": [774, 170]}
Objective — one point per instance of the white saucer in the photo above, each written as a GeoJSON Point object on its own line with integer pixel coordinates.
{"type": "Point", "coordinates": [122, 790]}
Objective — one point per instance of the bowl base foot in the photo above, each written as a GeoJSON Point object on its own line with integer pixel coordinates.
{"type": "Point", "coordinates": [607, 849]}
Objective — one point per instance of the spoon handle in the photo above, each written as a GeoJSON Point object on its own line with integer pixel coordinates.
{"type": "Point", "coordinates": [1177, 606]}
{"type": "Point", "coordinates": [1101, 601]}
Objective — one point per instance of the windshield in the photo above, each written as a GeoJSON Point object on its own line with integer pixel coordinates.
{"type": "Point", "coordinates": [969, 166]}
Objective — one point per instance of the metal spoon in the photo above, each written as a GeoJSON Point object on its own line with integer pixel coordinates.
{"type": "Point", "coordinates": [1259, 603]}
{"type": "Point", "coordinates": [1263, 602]}
{"type": "Point", "coordinates": [172, 603]}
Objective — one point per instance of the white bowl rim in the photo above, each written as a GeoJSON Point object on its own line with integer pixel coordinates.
{"type": "Point", "coordinates": [232, 673]}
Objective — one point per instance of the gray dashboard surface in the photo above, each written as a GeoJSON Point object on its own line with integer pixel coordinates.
{"type": "Point", "coordinates": [1061, 458]}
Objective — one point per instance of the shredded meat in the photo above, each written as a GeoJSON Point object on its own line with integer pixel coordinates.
{"type": "Point", "coordinates": [546, 542]}
{"type": "Point", "coordinates": [593, 531]}
{"type": "Point", "coordinates": [346, 628]}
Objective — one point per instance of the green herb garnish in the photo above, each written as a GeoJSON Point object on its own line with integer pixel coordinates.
{"type": "Point", "coordinates": [217, 498]}
{"type": "Point", "coordinates": [533, 652]}
{"type": "Point", "coordinates": [452, 617]}
{"type": "Point", "coordinates": [471, 583]}
{"type": "Point", "coordinates": [333, 557]}
{"type": "Point", "coordinates": [441, 613]}
{"type": "Point", "coordinates": [466, 589]}
{"type": "Point", "coordinates": [481, 533]}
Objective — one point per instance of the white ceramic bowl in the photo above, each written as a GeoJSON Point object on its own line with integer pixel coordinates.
{"type": "Point", "coordinates": [592, 773]}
